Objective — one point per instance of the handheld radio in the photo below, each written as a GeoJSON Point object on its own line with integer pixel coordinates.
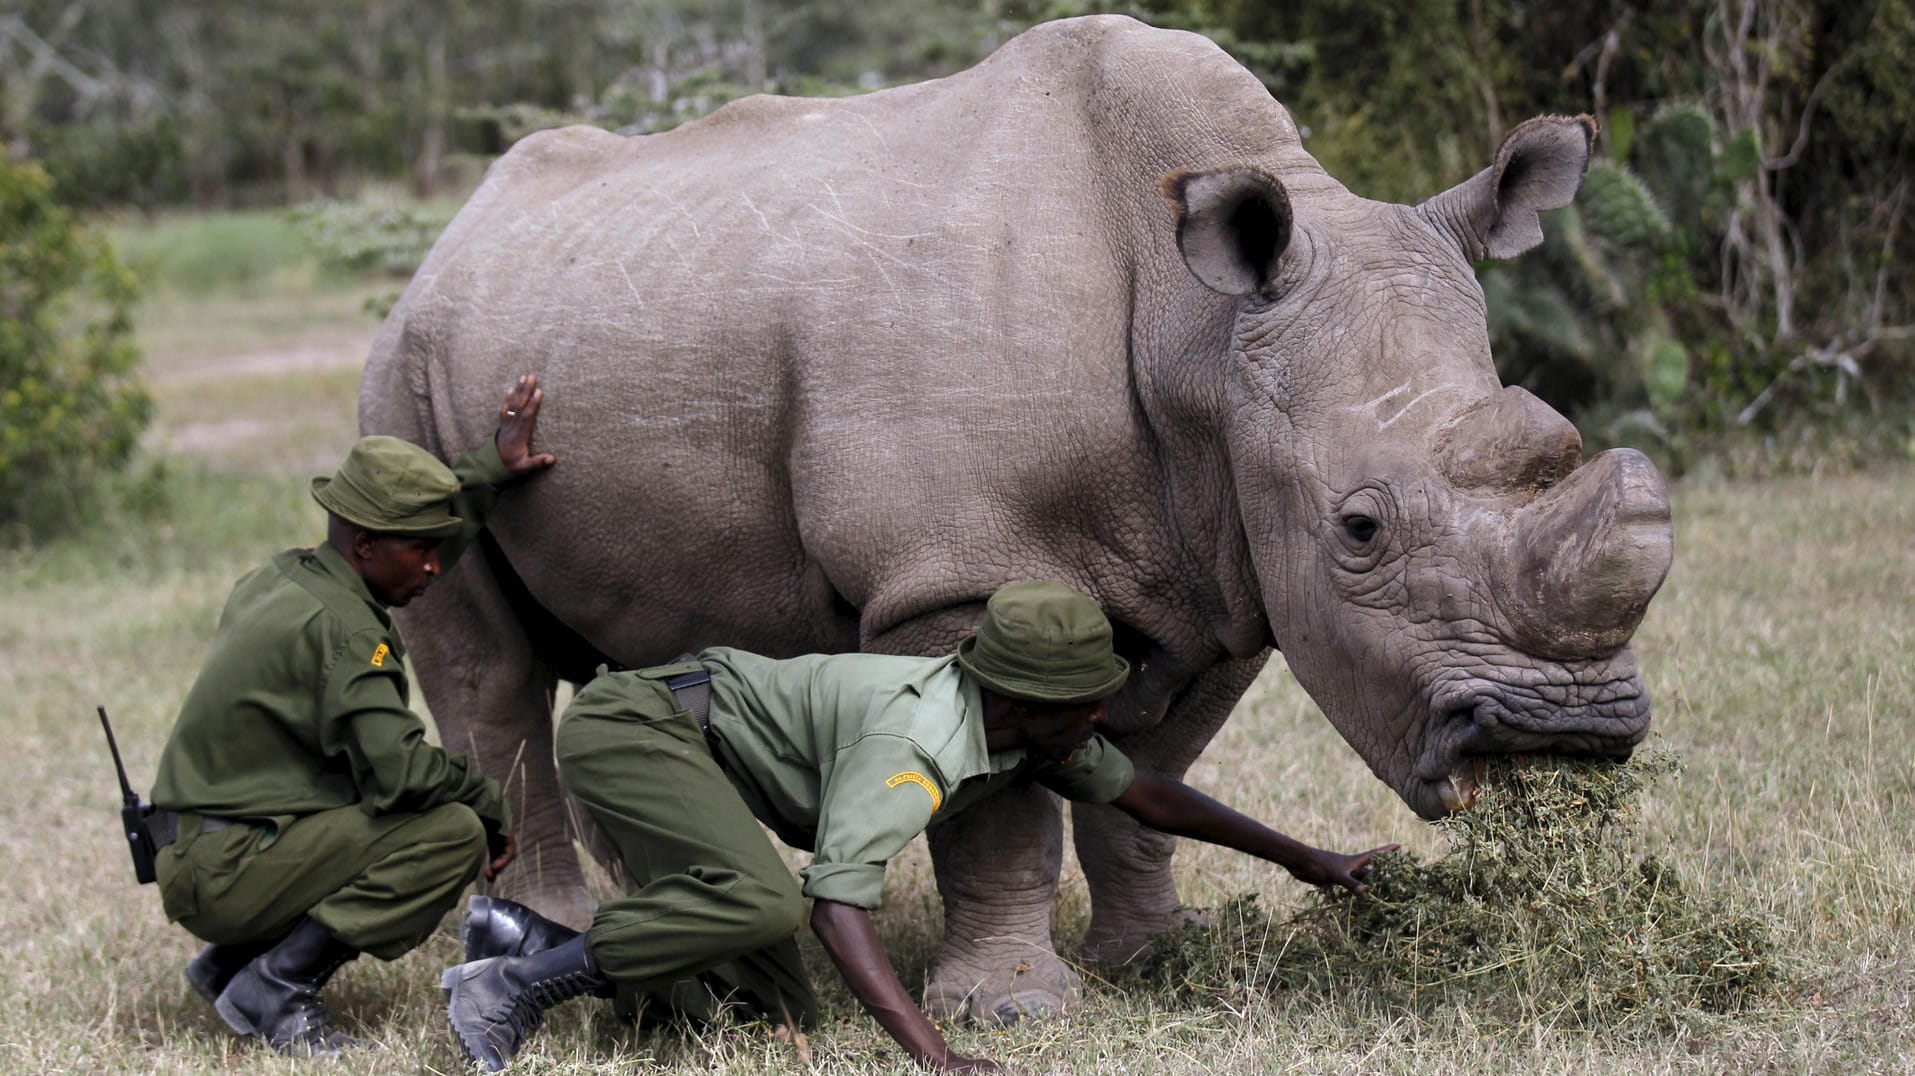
{"type": "Point", "coordinates": [133, 813]}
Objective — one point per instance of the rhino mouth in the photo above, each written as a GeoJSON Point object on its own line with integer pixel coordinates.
{"type": "Point", "coordinates": [1467, 726]}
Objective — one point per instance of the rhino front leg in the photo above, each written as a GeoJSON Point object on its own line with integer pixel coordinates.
{"type": "Point", "coordinates": [996, 868]}
{"type": "Point", "coordinates": [1128, 867]}
{"type": "Point", "coordinates": [492, 699]}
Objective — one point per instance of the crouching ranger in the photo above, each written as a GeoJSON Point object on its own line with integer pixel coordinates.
{"type": "Point", "coordinates": [303, 817]}
{"type": "Point", "coordinates": [848, 755]}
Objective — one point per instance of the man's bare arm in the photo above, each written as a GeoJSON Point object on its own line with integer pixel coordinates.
{"type": "Point", "coordinates": [852, 942]}
{"type": "Point", "coordinates": [1176, 808]}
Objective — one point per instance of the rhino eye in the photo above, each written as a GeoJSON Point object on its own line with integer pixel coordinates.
{"type": "Point", "coordinates": [1360, 528]}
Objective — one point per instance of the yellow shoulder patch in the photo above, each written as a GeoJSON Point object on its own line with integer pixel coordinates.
{"type": "Point", "coordinates": [913, 777]}
{"type": "Point", "coordinates": [379, 655]}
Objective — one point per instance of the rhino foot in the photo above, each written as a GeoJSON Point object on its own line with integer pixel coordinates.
{"type": "Point", "coordinates": [1000, 982]}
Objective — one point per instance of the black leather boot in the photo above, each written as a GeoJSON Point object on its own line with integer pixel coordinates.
{"type": "Point", "coordinates": [494, 1004]}
{"type": "Point", "coordinates": [214, 967]}
{"type": "Point", "coordinates": [494, 926]}
{"type": "Point", "coordinates": [276, 997]}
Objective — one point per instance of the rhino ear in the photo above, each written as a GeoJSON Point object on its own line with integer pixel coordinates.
{"type": "Point", "coordinates": [1539, 166]}
{"type": "Point", "coordinates": [1232, 226]}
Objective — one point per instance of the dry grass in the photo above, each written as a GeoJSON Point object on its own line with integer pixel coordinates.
{"type": "Point", "coordinates": [1779, 654]}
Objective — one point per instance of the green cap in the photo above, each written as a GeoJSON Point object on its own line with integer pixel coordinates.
{"type": "Point", "coordinates": [1044, 641]}
{"type": "Point", "coordinates": [392, 486]}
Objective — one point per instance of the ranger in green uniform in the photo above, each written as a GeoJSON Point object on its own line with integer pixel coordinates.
{"type": "Point", "coordinates": [849, 756]}
{"type": "Point", "coordinates": [303, 817]}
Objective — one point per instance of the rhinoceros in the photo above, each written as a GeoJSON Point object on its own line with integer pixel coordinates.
{"type": "Point", "coordinates": [823, 374]}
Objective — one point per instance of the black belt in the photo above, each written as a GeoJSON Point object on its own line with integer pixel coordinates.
{"type": "Point", "coordinates": [691, 692]}
{"type": "Point", "coordinates": [164, 826]}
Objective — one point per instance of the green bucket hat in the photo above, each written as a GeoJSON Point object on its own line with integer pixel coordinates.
{"type": "Point", "coordinates": [1044, 641]}
{"type": "Point", "coordinates": [394, 487]}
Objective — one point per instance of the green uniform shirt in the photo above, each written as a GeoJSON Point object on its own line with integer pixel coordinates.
{"type": "Point", "coordinates": [302, 705]}
{"type": "Point", "coordinates": [852, 755]}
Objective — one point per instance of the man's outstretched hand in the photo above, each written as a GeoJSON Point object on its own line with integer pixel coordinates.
{"type": "Point", "coordinates": [1169, 805]}
{"type": "Point", "coordinates": [518, 416]}
{"type": "Point", "coordinates": [1324, 867]}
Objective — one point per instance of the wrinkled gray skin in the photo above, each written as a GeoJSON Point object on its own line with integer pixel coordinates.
{"type": "Point", "coordinates": [823, 374]}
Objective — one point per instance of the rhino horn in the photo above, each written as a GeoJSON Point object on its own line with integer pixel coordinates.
{"type": "Point", "coordinates": [1493, 214]}
{"type": "Point", "coordinates": [1508, 441]}
{"type": "Point", "coordinates": [1585, 558]}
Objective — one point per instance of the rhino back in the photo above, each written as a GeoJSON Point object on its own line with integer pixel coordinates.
{"type": "Point", "coordinates": [881, 350]}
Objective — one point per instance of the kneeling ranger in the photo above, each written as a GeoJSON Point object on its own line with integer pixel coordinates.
{"type": "Point", "coordinates": [849, 756]}
{"type": "Point", "coordinates": [302, 815]}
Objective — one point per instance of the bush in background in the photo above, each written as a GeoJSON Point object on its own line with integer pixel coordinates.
{"type": "Point", "coordinates": [110, 164]}
{"type": "Point", "coordinates": [361, 238]}
{"type": "Point", "coordinates": [71, 407]}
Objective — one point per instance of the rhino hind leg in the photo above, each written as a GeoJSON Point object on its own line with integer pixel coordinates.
{"type": "Point", "coordinates": [1128, 867]}
{"type": "Point", "coordinates": [491, 695]}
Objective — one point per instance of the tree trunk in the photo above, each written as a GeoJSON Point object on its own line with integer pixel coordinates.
{"type": "Point", "coordinates": [432, 140]}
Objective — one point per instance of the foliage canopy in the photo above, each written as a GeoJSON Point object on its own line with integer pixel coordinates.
{"type": "Point", "coordinates": [1738, 261]}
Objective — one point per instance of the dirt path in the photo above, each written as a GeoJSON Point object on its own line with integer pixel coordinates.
{"type": "Point", "coordinates": [335, 349]}
{"type": "Point", "coordinates": [286, 407]}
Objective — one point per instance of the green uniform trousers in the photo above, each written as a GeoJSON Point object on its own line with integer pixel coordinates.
{"type": "Point", "coordinates": [380, 883]}
{"type": "Point", "coordinates": [708, 896]}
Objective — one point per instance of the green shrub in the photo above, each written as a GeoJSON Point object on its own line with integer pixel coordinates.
{"type": "Point", "coordinates": [71, 407]}
{"type": "Point", "coordinates": [357, 239]}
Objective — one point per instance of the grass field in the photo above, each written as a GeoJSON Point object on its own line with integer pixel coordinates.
{"type": "Point", "coordinates": [252, 351]}
{"type": "Point", "coordinates": [1779, 653]}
